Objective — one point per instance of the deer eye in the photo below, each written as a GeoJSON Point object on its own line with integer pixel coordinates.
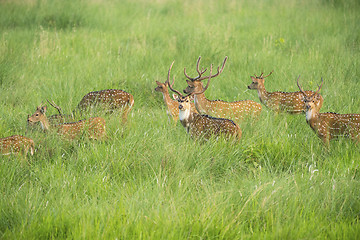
{"type": "Point", "coordinates": [37, 114]}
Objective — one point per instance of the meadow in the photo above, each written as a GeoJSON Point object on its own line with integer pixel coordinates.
{"type": "Point", "coordinates": [150, 180]}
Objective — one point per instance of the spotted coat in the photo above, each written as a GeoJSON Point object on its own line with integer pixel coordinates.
{"type": "Point", "coordinates": [289, 102]}
{"type": "Point", "coordinates": [16, 144]}
{"type": "Point", "coordinates": [204, 126]}
{"type": "Point", "coordinates": [93, 128]}
{"type": "Point", "coordinates": [109, 99]}
{"type": "Point", "coordinates": [237, 111]}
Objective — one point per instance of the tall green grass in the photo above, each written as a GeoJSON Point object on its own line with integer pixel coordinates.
{"type": "Point", "coordinates": [150, 179]}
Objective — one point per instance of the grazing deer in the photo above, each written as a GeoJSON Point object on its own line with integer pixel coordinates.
{"type": "Point", "coordinates": [171, 104]}
{"type": "Point", "coordinates": [16, 144]}
{"type": "Point", "coordinates": [290, 102]}
{"type": "Point", "coordinates": [110, 99]}
{"type": "Point", "coordinates": [236, 111]}
{"type": "Point", "coordinates": [203, 126]}
{"type": "Point", "coordinates": [329, 125]}
{"type": "Point", "coordinates": [93, 127]}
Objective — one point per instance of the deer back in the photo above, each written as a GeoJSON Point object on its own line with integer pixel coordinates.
{"type": "Point", "coordinates": [205, 126]}
{"type": "Point", "coordinates": [94, 128]}
{"type": "Point", "coordinates": [16, 144]}
{"type": "Point", "coordinates": [109, 98]}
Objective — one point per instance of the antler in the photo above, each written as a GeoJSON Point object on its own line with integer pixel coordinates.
{"type": "Point", "coordinates": [52, 103]}
{"type": "Point", "coordinates": [170, 85]}
{"type": "Point", "coordinates": [301, 90]}
{"type": "Point", "coordinates": [207, 85]}
{"type": "Point", "coordinates": [199, 78]}
{"type": "Point", "coordinates": [197, 69]}
{"type": "Point", "coordinates": [262, 75]}
{"type": "Point", "coordinates": [322, 81]}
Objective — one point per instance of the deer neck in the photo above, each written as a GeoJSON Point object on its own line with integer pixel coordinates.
{"type": "Point", "coordinates": [45, 124]}
{"type": "Point", "coordinates": [262, 93]}
{"type": "Point", "coordinates": [167, 99]}
{"type": "Point", "coordinates": [312, 117]}
{"type": "Point", "coordinates": [201, 103]}
{"type": "Point", "coordinates": [186, 117]}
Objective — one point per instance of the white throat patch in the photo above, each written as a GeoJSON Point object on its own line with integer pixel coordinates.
{"type": "Point", "coordinates": [184, 115]}
{"type": "Point", "coordinates": [309, 114]}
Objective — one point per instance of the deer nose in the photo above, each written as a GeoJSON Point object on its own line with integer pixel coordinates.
{"type": "Point", "coordinates": [181, 107]}
{"type": "Point", "coordinates": [249, 87]}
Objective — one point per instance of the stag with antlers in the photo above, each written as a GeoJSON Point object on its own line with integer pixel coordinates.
{"type": "Point", "coordinates": [203, 126]}
{"type": "Point", "coordinates": [289, 102]}
{"type": "Point", "coordinates": [236, 111]}
{"type": "Point", "coordinates": [329, 125]}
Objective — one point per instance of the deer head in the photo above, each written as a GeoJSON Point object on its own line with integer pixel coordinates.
{"type": "Point", "coordinates": [39, 116]}
{"type": "Point", "coordinates": [311, 101]}
{"type": "Point", "coordinates": [195, 84]}
{"type": "Point", "coordinates": [258, 81]}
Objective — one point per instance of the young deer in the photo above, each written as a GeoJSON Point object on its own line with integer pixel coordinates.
{"type": "Point", "coordinates": [171, 104]}
{"type": "Point", "coordinates": [93, 127]}
{"type": "Point", "coordinates": [16, 144]}
{"type": "Point", "coordinates": [110, 99]}
{"type": "Point", "coordinates": [290, 102]}
{"type": "Point", "coordinates": [202, 125]}
{"type": "Point", "coordinates": [236, 111]}
{"type": "Point", "coordinates": [329, 125]}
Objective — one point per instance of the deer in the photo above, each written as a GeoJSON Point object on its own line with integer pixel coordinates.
{"type": "Point", "coordinates": [171, 104]}
{"type": "Point", "coordinates": [203, 126]}
{"type": "Point", "coordinates": [329, 125]}
{"type": "Point", "coordinates": [110, 99]}
{"type": "Point", "coordinates": [16, 144]}
{"type": "Point", "coordinates": [237, 111]}
{"type": "Point", "coordinates": [288, 102]}
{"type": "Point", "coordinates": [93, 127]}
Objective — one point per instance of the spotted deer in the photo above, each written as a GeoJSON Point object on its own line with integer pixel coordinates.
{"type": "Point", "coordinates": [171, 104]}
{"type": "Point", "coordinates": [289, 102]}
{"type": "Point", "coordinates": [203, 126]}
{"type": "Point", "coordinates": [110, 99]}
{"type": "Point", "coordinates": [16, 144]}
{"type": "Point", "coordinates": [237, 111]}
{"type": "Point", "coordinates": [329, 125]}
{"type": "Point", "coordinates": [94, 128]}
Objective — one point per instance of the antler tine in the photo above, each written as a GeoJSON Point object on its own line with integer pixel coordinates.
{"type": "Point", "coordinates": [269, 74]}
{"type": "Point", "coordinates": [301, 90]}
{"type": "Point", "coordinates": [52, 103]}
{"type": "Point", "coordinates": [197, 69]}
{"type": "Point", "coordinates": [207, 85]}
{"type": "Point", "coordinates": [218, 72]}
{"type": "Point", "coordinates": [170, 85]}
{"type": "Point", "coordinates": [322, 81]}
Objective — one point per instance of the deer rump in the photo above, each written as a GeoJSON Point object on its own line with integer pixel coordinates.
{"type": "Point", "coordinates": [111, 99]}
{"type": "Point", "coordinates": [93, 128]}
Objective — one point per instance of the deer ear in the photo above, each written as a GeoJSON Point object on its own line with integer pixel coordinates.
{"type": "Point", "coordinates": [158, 83]}
{"type": "Point", "coordinates": [43, 109]}
{"type": "Point", "coordinates": [175, 97]}
{"type": "Point", "coordinates": [188, 82]}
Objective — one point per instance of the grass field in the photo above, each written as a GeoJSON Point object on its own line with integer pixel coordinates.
{"type": "Point", "coordinates": [149, 180]}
